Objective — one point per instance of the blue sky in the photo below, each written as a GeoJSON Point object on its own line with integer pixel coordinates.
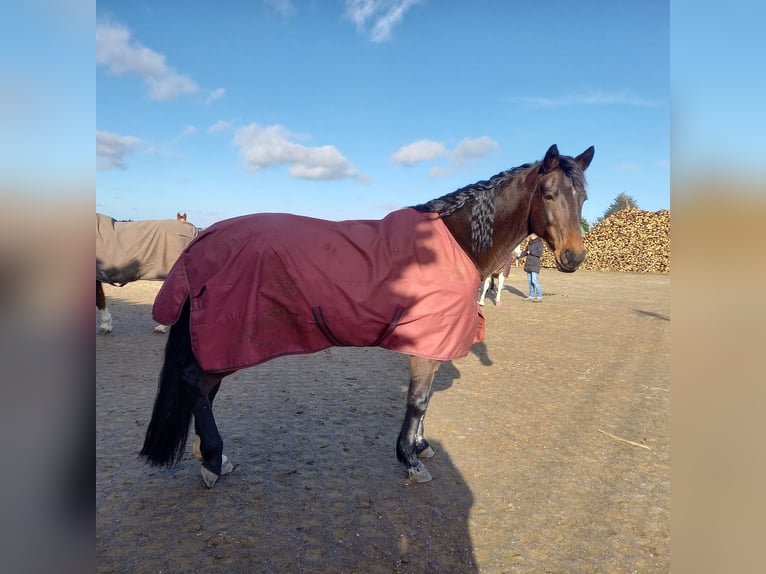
{"type": "Point", "coordinates": [718, 88]}
{"type": "Point", "coordinates": [348, 110]}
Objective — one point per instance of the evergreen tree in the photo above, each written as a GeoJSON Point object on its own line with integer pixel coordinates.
{"type": "Point", "coordinates": [622, 201]}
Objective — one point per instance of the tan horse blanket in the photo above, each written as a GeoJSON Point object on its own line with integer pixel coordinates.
{"type": "Point", "coordinates": [266, 285]}
{"type": "Point", "coordinates": [131, 250]}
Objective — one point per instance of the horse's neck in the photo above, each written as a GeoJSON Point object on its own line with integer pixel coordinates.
{"type": "Point", "coordinates": [511, 225]}
{"type": "Point", "coordinates": [508, 235]}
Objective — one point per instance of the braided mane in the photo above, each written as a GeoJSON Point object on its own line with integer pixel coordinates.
{"type": "Point", "coordinates": [481, 197]}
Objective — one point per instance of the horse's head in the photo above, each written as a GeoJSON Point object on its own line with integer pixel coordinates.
{"type": "Point", "coordinates": [556, 208]}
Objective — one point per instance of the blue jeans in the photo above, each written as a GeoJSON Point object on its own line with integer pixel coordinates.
{"type": "Point", "coordinates": [534, 284]}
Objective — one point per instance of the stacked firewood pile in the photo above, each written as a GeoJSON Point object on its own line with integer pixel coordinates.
{"type": "Point", "coordinates": [629, 240]}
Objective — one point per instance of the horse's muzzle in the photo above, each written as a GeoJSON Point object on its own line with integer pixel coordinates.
{"type": "Point", "coordinates": [569, 260]}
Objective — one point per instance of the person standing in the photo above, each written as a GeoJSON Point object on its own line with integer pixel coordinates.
{"type": "Point", "coordinates": [533, 253]}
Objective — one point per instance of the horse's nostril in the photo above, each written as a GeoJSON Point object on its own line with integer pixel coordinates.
{"type": "Point", "coordinates": [571, 259]}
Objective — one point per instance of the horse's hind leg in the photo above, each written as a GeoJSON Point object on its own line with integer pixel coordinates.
{"type": "Point", "coordinates": [214, 462]}
{"type": "Point", "coordinates": [411, 442]}
{"type": "Point", "coordinates": [104, 317]}
{"type": "Point", "coordinates": [197, 444]}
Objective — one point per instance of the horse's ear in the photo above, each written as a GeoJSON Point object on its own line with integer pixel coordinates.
{"type": "Point", "coordinates": [584, 159]}
{"type": "Point", "coordinates": [551, 160]}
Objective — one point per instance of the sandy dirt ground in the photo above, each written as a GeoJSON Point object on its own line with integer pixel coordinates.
{"type": "Point", "coordinates": [533, 469]}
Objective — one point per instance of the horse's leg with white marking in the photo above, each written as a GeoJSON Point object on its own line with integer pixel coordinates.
{"type": "Point", "coordinates": [500, 281]}
{"type": "Point", "coordinates": [422, 447]}
{"type": "Point", "coordinates": [484, 290]}
{"type": "Point", "coordinates": [104, 318]}
{"type": "Point", "coordinates": [411, 441]}
{"type": "Point", "coordinates": [104, 321]}
{"type": "Point", "coordinates": [214, 462]}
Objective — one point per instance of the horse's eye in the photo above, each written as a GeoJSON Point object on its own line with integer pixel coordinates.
{"type": "Point", "coordinates": [548, 196]}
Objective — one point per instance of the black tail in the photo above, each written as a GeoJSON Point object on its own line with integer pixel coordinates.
{"type": "Point", "coordinates": [168, 430]}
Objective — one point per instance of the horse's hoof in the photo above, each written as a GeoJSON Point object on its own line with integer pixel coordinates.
{"type": "Point", "coordinates": [208, 477]}
{"type": "Point", "coordinates": [427, 453]}
{"type": "Point", "coordinates": [105, 330]}
{"type": "Point", "coordinates": [161, 329]}
{"type": "Point", "coordinates": [481, 303]}
{"type": "Point", "coordinates": [421, 476]}
{"type": "Point", "coordinates": [197, 448]}
{"type": "Point", "coordinates": [498, 303]}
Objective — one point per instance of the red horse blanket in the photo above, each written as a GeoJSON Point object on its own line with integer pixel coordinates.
{"type": "Point", "coordinates": [131, 250]}
{"type": "Point", "coordinates": [267, 285]}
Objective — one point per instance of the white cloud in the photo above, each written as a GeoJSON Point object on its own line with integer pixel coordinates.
{"type": "Point", "coordinates": [629, 168]}
{"type": "Point", "coordinates": [377, 18]}
{"type": "Point", "coordinates": [219, 126]}
{"type": "Point", "coordinates": [111, 149]}
{"type": "Point", "coordinates": [263, 147]}
{"type": "Point", "coordinates": [120, 55]}
{"type": "Point", "coordinates": [586, 99]}
{"type": "Point", "coordinates": [214, 95]}
{"type": "Point", "coordinates": [663, 164]}
{"type": "Point", "coordinates": [428, 150]}
{"type": "Point", "coordinates": [170, 86]}
{"type": "Point", "coordinates": [421, 150]}
{"type": "Point", "coordinates": [187, 131]}
{"type": "Point", "coordinates": [472, 148]}
{"type": "Point", "coordinates": [284, 7]}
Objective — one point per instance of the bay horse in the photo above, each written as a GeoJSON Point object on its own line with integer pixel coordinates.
{"type": "Point", "coordinates": [128, 251]}
{"type": "Point", "coordinates": [407, 283]}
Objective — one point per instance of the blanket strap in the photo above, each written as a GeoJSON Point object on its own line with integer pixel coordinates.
{"type": "Point", "coordinates": [321, 322]}
{"type": "Point", "coordinates": [324, 327]}
{"type": "Point", "coordinates": [392, 324]}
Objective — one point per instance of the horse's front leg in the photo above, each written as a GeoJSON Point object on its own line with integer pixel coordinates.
{"type": "Point", "coordinates": [411, 442]}
{"type": "Point", "coordinates": [208, 444]}
{"type": "Point", "coordinates": [422, 447]}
